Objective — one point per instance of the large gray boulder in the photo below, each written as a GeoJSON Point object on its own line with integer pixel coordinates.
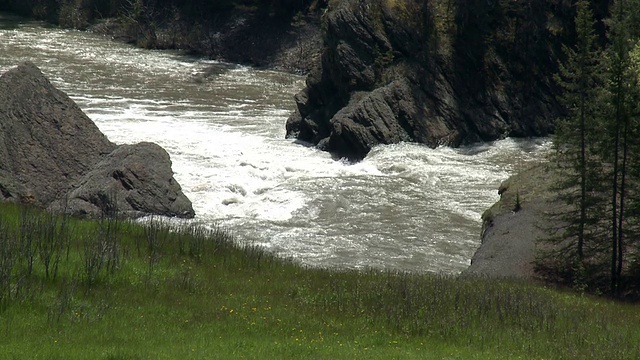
{"type": "Point", "coordinates": [53, 156]}
{"type": "Point", "coordinates": [46, 141]}
{"type": "Point", "coordinates": [133, 180]}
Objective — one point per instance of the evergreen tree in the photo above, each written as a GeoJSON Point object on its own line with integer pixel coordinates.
{"type": "Point", "coordinates": [580, 77]}
{"type": "Point", "coordinates": [622, 127]}
{"type": "Point", "coordinates": [616, 147]}
{"type": "Point", "coordinates": [598, 151]}
{"type": "Point", "coordinates": [633, 212]}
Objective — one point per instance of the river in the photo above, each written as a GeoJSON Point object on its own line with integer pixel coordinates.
{"type": "Point", "coordinates": [404, 207]}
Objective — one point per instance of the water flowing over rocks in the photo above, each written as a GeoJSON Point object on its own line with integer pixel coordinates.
{"type": "Point", "coordinates": [52, 155]}
{"type": "Point", "coordinates": [389, 73]}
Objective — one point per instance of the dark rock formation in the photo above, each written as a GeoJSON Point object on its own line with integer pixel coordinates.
{"type": "Point", "coordinates": [409, 71]}
{"type": "Point", "coordinates": [52, 153]}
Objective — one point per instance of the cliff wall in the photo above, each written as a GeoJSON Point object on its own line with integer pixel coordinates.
{"type": "Point", "coordinates": [437, 72]}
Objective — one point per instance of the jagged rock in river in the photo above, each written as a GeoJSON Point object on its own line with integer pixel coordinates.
{"type": "Point", "coordinates": [402, 71]}
{"type": "Point", "coordinates": [51, 154]}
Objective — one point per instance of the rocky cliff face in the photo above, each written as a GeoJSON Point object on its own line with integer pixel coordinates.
{"type": "Point", "coordinates": [432, 72]}
{"type": "Point", "coordinates": [512, 226]}
{"type": "Point", "coordinates": [52, 155]}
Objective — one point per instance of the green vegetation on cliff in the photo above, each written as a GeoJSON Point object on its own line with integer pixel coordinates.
{"type": "Point", "coordinates": [120, 290]}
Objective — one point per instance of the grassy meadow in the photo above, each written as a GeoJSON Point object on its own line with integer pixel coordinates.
{"type": "Point", "coordinates": [114, 289]}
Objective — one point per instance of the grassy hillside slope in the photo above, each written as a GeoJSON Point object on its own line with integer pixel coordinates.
{"type": "Point", "coordinates": [126, 291]}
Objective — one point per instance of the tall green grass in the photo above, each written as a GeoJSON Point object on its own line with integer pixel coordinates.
{"type": "Point", "coordinates": [115, 289]}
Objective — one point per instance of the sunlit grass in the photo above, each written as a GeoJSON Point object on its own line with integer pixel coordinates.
{"type": "Point", "coordinates": [188, 292]}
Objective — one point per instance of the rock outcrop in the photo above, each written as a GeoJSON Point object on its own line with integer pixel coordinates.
{"type": "Point", "coordinates": [52, 154]}
{"type": "Point", "coordinates": [133, 180]}
{"type": "Point", "coordinates": [46, 141]}
{"type": "Point", "coordinates": [510, 232]}
{"type": "Point", "coordinates": [410, 71]}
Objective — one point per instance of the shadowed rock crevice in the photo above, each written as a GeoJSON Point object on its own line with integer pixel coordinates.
{"type": "Point", "coordinates": [119, 176]}
{"type": "Point", "coordinates": [53, 156]}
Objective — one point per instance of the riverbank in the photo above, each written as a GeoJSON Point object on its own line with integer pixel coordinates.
{"type": "Point", "coordinates": [512, 226]}
{"type": "Point", "coordinates": [249, 35]}
{"type": "Point", "coordinates": [167, 292]}
{"type": "Point", "coordinates": [242, 36]}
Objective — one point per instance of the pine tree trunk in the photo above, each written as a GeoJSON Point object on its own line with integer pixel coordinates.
{"type": "Point", "coordinates": [614, 215]}
{"type": "Point", "coordinates": [583, 174]}
{"type": "Point", "coordinates": [623, 175]}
